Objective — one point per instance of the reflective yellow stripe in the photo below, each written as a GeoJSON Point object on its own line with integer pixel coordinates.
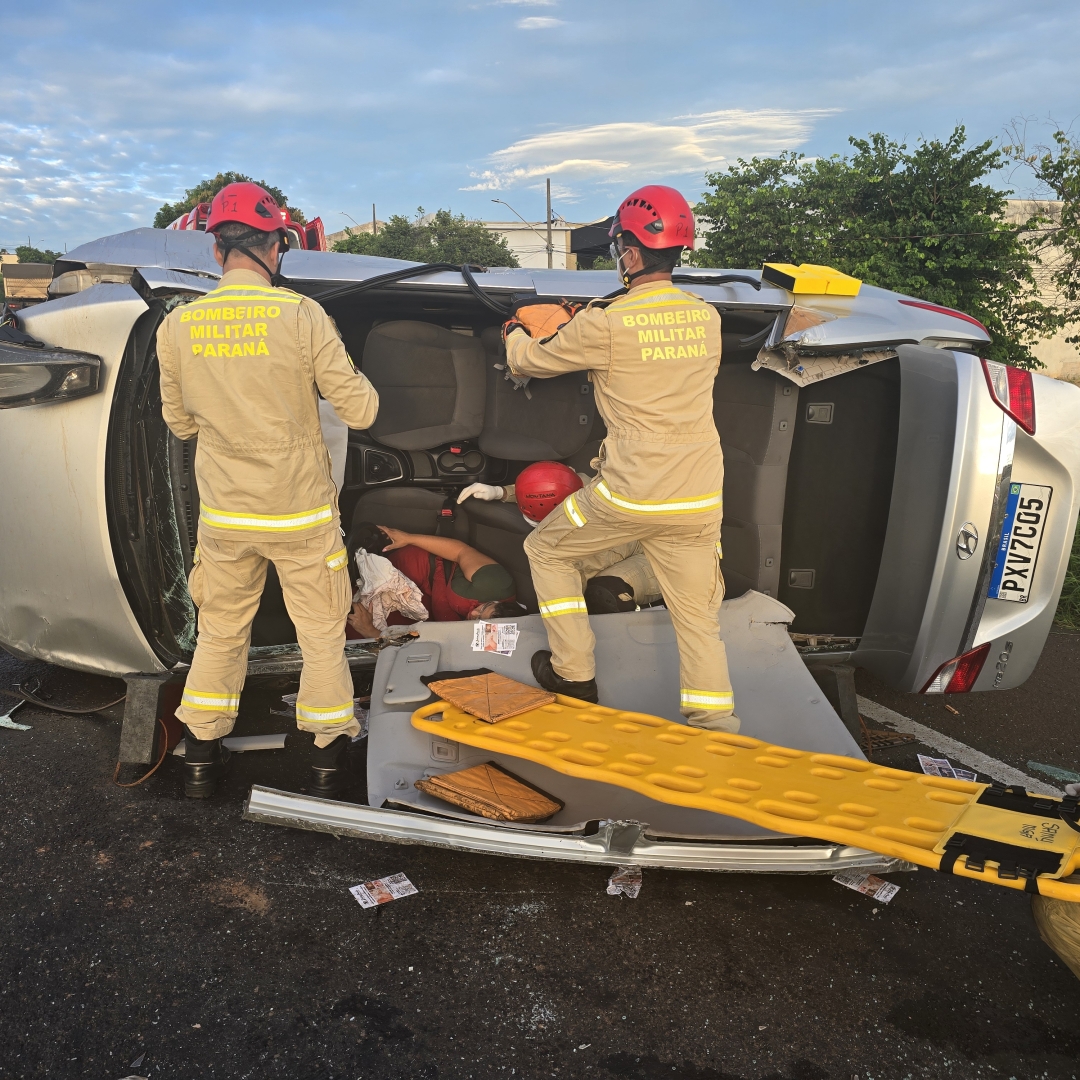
{"type": "Point", "coordinates": [708, 699]}
{"type": "Point", "coordinates": [338, 560]}
{"type": "Point", "coordinates": [564, 605]}
{"type": "Point", "coordinates": [317, 715]}
{"type": "Point", "coordinates": [572, 512]}
{"type": "Point", "coordinates": [206, 702]}
{"type": "Point", "coordinates": [719, 549]}
{"type": "Point", "coordinates": [231, 292]}
{"type": "Point", "coordinates": [221, 519]}
{"type": "Point", "coordinates": [651, 298]}
{"type": "Point", "coordinates": [713, 501]}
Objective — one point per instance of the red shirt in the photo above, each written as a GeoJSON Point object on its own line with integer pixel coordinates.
{"type": "Point", "coordinates": [430, 573]}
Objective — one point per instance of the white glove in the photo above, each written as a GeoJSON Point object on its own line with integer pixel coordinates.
{"type": "Point", "coordinates": [484, 492]}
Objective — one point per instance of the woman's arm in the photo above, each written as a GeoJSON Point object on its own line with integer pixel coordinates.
{"type": "Point", "coordinates": [360, 621]}
{"type": "Point", "coordinates": [468, 558]}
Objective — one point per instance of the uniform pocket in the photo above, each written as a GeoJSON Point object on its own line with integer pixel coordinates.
{"type": "Point", "coordinates": [718, 585]}
{"type": "Point", "coordinates": [196, 582]}
{"type": "Point", "coordinates": [339, 593]}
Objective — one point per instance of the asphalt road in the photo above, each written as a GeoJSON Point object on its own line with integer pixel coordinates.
{"type": "Point", "coordinates": [140, 926]}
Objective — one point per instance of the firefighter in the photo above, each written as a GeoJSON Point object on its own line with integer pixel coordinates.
{"type": "Point", "coordinates": [652, 355]}
{"type": "Point", "coordinates": [618, 578]}
{"type": "Point", "coordinates": [242, 368]}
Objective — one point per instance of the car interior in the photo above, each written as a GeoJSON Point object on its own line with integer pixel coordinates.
{"type": "Point", "coordinates": [801, 465]}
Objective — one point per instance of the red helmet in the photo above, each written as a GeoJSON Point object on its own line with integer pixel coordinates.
{"type": "Point", "coordinates": [247, 204]}
{"type": "Point", "coordinates": [542, 486]}
{"type": "Point", "coordinates": [658, 216]}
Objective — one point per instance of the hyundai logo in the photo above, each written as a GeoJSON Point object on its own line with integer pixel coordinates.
{"type": "Point", "coordinates": [967, 540]}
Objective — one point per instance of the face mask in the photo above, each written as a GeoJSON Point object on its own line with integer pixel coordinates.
{"type": "Point", "coordinates": [624, 274]}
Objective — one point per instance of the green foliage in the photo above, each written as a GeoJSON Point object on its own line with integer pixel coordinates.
{"type": "Point", "coordinates": [601, 262]}
{"type": "Point", "coordinates": [919, 222]}
{"type": "Point", "coordinates": [1058, 168]}
{"type": "Point", "coordinates": [29, 254]}
{"type": "Point", "coordinates": [1068, 610]}
{"type": "Point", "coordinates": [438, 237]}
{"type": "Point", "coordinates": [207, 189]}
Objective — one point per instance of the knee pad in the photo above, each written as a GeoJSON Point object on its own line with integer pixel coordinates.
{"type": "Point", "coordinates": [604, 595]}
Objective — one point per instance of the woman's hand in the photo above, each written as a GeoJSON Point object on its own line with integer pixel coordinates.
{"type": "Point", "coordinates": [360, 621]}
{"type": "Point", "coordinates": [398, 538]}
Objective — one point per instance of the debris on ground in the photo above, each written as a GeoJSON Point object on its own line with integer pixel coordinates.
{"type": "Point", "coordinates": [939, 766]}
{"type": "Point", "coordinates": [1055, 773]}
{"type": "Point", "coordinates": [383, 890]}
{"type": "Point", "coordinates": [240, 743]}
{"type": "Point", "coordinates": [7, 722]}
{"type": "Point", "coordinates": [868, 884]}
{"type": "Point", "coordinates": [881, 738]}
{"type": "Point", "coordinates": [625, 881]}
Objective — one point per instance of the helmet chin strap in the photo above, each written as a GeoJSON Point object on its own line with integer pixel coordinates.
{"type": "Point", "coordinates": [274, 275]}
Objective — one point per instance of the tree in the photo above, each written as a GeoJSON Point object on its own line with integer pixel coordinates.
{"type": "Point", "coordinates": [1057, 167]}
{"type": "Point", "coordinates": [920, 222]}
{"type": "Point", "coordinates": [438, 237]}
{"type": "Point", "coordinates": [207, 189]}
{"type": "Point", "coordinates": [28, 254]}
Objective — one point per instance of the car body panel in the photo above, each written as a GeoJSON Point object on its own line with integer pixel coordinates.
{"type": "Point", "coordinates": [61, 598]}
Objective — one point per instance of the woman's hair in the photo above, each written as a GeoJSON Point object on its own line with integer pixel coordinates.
{"type": "Point", "coordinates": [507, 609]}
{"type": "Point", "coordinates": [367, 536]}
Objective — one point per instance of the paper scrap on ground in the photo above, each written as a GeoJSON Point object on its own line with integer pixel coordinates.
{"type": "Point", "coordinates": [383, 890]}
{"type": "Point", "coordinates": [496, 637]}
{"type": "Point", "coordinates": [939, 766]}
{"type": "Point", "coordinates": [867, 884]}
{"type": "Point", "coordinates": [626, 881]}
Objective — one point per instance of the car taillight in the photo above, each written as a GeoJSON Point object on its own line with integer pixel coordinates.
{"type": "Point", "coordinates": [1013, 391]}
{"type": "Point", "coordinates": [958, 675]}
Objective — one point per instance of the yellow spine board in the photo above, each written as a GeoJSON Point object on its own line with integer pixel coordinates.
{"type": "Point", "coordinates": [824, 796]}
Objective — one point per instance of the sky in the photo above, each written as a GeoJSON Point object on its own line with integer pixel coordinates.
{"type": "Point", "coordinates": [111, 109]}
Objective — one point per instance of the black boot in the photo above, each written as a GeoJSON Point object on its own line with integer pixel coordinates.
{"type": "Point", "coordinates": [545, 675]}
{"type": "Point", "coordinates": [328, 772]}
{"type": "Point", "coordinates": [606, 595]}
{"type": "Point", "coordinates": [205, 762]}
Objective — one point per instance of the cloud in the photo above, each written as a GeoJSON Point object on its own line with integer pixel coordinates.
{"type": "Point", "coordinates": [683, 145]}
{"type": "Point", "coordinates": [538, 22]}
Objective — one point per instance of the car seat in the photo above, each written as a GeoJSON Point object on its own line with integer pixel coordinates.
{"type": "Point", "coordinates": [498, 529]}
{"type": "Point", "coordinates": [430, 382]}
{"type": "Point", "coordinates": [417, 510]}
{"type": "Point", "coordinates": [550, 422]}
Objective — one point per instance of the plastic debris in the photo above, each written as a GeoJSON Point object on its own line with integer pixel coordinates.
{"type": "Point", "coordinates": [625, 881]}
{"type": "Point", "coordinates": [867, 884]}
{"type": "Point", "coordinates": [1058, 922]}
{"type": "Point", "coordinates": [7, 722]}
{"type": "Point", "coordinates": [939, 766]}
{"type": "Point", "coordinates": [496, 637]}
{"type": "Point", "coordinates": [239, 743]}
{"type": "Point", "coordinates": [383, 890]}
{"type": "Point", "coordinates": [137, 1062]}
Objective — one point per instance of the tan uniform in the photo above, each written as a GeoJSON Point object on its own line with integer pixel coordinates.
{"type": "Point", "coordinates": [653, 356]}
{"type": "Point", "coordinates": [239, 368]}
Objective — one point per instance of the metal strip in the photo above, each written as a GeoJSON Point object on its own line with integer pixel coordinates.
{"type": "Point", "coordinates": [604, 848]}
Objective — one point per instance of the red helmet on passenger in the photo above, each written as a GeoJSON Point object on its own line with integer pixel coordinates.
{"type": "Point", "coordinates": [658, 216]}
{"type": "Point", "coordinates": [542, 486]}
{"type": "Point", "coordinates": [247, 204]}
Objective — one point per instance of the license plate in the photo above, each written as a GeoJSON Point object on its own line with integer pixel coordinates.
{"type": "Point", "coordinates": [1021, 535]}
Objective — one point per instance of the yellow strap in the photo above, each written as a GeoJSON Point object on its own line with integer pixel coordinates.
{"type": "Point", "coordinates": [564, 605]}
{"type": "Point", "coordinates": [825, 796]}
{"type": "Point", "coordinates": [207, 702]}
{"type": "Point", "coordinates": [694, 505]}
{"type": "Point", "coordinates": [222, 519]}
{"type": "Point", "coordinates": [316, 714]}
{"type": "Point", "coordinates": [573, 512]}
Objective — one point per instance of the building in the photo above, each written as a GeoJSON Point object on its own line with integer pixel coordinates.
{"type": "Point", "coordinates": [528, 241]}
{"type": "Point", "coordinates": [1061, 359]}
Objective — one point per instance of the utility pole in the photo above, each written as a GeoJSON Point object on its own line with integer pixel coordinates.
{"type": "Point", "coordinates": [374, 222]}
{"type": "Point", "coordinates": [550, 246]}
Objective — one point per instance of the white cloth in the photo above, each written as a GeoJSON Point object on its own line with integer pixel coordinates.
{"type": "Point", "coordinates": [383, 588]}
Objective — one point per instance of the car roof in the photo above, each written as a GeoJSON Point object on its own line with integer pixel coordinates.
{"type": "Point", "coordinates": [875, 317]}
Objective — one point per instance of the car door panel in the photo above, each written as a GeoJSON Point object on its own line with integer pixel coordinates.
{"type": "Point", "coordinates": [60, 595]}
